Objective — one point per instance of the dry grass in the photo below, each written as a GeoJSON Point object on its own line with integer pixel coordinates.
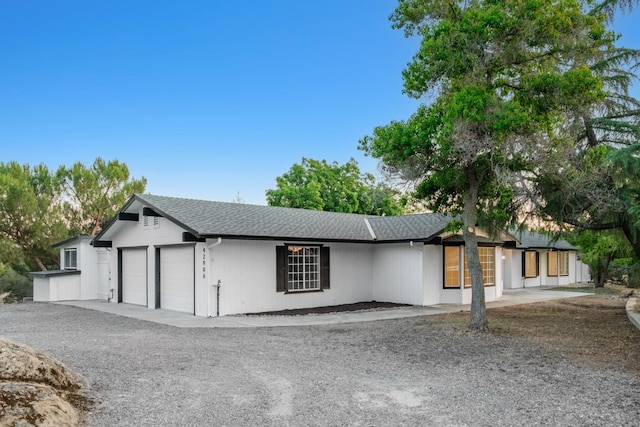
{"type": "Point", "coordinates": [592, 330]}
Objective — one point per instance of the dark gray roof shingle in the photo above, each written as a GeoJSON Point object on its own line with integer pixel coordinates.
{"type": "Point", "coordinates": [532, 239]}
{"type": "Point", "coordinates": [208, 218]}
{"type": "Point", "coordinates": [408, 227]}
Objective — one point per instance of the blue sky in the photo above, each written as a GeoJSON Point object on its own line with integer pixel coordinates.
{"type": "Point", "coordinates": [206, 99]}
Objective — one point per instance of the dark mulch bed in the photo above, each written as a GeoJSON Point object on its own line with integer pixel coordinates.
{"type": "Point", "coordinates": [359, 306]}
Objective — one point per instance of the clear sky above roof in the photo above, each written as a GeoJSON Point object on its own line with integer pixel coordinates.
{"type": "Point", "coordinates": [206, 99]}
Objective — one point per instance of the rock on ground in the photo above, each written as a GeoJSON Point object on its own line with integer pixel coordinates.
{"type": "Point", "coordinates": [35, 388]}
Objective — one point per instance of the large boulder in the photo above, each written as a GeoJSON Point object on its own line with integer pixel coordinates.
{"type": "Point", "coordinates": [31, 404]}
{"type": "Point", "coordinates": [36, 389]}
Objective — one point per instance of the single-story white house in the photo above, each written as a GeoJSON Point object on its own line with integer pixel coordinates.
{"type": "Point", "coordinates": [214, 258]}
{"type": "Point", "coordinates": [540, 260]}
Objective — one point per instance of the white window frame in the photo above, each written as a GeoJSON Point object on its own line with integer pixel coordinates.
{"type": "Point", "coordinates": [66, 258]}
{"type": "Point", "coordinates": [303, 268]}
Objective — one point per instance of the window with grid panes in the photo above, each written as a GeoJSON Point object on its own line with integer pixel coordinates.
{"type": "Point", "coordinates": [303, 268]}
{"type": "Point", "coordinates": [487, 262]}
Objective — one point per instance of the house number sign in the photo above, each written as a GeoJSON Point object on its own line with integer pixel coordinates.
{"type": "Point", "coordinates": [204, 263]}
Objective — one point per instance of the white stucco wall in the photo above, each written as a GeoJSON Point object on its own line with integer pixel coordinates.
{"type": "Point", "coordinates": [56, 287]}
{"type": "Point", "coordinates": [247, 273]}
{"type": "Point", "coordinates": [398, 273]}
{"type": "Point", "coordinates": [432, 277]}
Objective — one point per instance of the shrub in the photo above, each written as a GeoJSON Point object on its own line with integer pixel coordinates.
{"type": "Point", "coordinates": [625, 271]}
{"type": "Point", "coordinates": [20, 286]}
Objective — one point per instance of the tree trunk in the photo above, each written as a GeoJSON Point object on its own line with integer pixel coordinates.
{"type": "Point", "coordinates": [39, 263]}
{"type": "Point", "coordinates": [633, 236]}
{"type": "Point", "coordinates": [603, 274]}
{"type": "Point", "coordinates": [478, 320]}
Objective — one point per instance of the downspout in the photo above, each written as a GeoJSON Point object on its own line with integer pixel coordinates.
{"type": "Point", "coordinates": [413, 246]}
{"type": "Point", "coordinates": [217, 285]}
{"type": "Point", "coordinates": [109, 288]}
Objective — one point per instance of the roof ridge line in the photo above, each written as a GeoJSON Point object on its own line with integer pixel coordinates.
{"type": "Point", "coordinates": [373, 235]}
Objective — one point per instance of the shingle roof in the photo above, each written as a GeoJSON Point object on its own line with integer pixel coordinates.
{"type": "Point", "coordinates": [221, 219]}
{"type": "Point", "coordinates": [532, 239]}
{"type": "Point", "coordinates": [207, 218]}
{"type": "Point", "coordinates": [408, 227]}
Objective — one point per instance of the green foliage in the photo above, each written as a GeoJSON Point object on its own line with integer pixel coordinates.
{"type": "Point", "coordinates": [600, 250]}
{"type": "Point", "coordinates": [19, 285]}
{"type": "Point", "coordinates": [503, 71]}
{"type": "Point", "coordinates": [31, 219]}
{"type": "Point", "coordinates": [625, 272]}
{"type": "Point", "coordinates": [39, 209]}
{"type": "Point", "coordinates": [93, 194]}
{"type": "Point", "coordinates": [319, 185]}
{"type": "Point", "coordinates": [595, 187]}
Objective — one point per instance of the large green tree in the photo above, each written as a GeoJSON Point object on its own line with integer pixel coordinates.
{"type": "Point", "coordinates": [319, 185]}
{"type": "Point", "coordinates": [598, 187]}
{"type": "Point", "coordinates": [92, 195]}
{"type": "Point", "coordinates": [504, 74]}
{"type": "Point", "coordinates": [39, 208]}
{"type": "Point", "coordinates": [31, 218]}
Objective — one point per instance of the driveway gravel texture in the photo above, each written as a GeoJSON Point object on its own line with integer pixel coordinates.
{"type": "Point", "coordinates": [406, 372]}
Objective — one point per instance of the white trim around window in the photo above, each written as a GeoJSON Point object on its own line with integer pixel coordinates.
{"type": "Point", "coordinates": [70, 258]}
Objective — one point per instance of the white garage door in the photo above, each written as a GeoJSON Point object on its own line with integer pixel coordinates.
{"type": "Point", "coordinates": [176, 279]}
{"type": "Point", "coordinates": [134, 276]}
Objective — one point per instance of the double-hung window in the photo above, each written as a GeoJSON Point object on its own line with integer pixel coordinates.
{"type": "Point", "coordinates": [302, 268]}
{"type": "Point", "coordinates": [70, 259]}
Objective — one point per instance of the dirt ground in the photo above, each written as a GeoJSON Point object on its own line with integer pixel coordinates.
{"type": "Point", "coordinates": [593, 330]}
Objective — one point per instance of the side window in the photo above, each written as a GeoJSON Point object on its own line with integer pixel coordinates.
{"type": "Point", "coordinates": [70, 259]}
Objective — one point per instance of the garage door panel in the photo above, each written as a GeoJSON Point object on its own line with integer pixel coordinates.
{"type": "Point", "coordinates": [177, 279]}
{"type": "Point", "coordinates": [134, 276]}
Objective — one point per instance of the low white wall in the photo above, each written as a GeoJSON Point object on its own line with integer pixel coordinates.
{"type": "Point", "coordinates": [68, 287]}
{"type": "Point", "coordinates": [56, 286]}
{"type": "Point", "coordinates": [41, 289]}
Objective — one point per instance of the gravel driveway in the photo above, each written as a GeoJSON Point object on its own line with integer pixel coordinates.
{"type": "Point", "coordinates": [386, 373]}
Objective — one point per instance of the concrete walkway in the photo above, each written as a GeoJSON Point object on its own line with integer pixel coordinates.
{"type": "Point", "coordinates": [183, 320]}
{"type": "Point", "coordinates": [632, 314]}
